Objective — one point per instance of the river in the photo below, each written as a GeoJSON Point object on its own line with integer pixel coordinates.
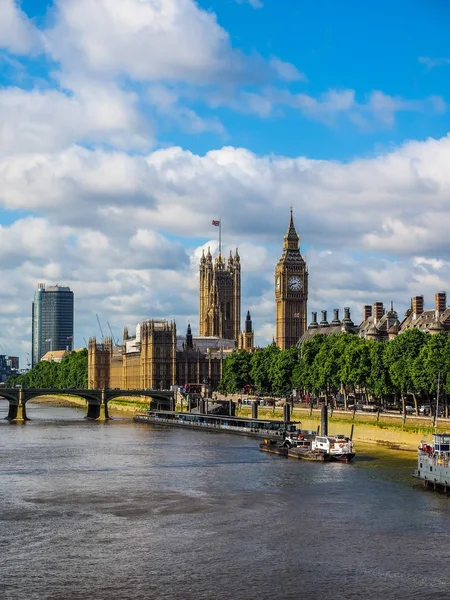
{"type": "Point", "coordinates": [126, 511]}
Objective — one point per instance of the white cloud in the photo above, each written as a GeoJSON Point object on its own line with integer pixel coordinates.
{"type": "Point", "coordinates": [17, 33]}
{"type": "Point", "coordinates": [123, 230]}
{"type": "Point", "coordinates": [378, 109]}
{"type": "Point", "coordinates": [145, 41]}
{"type": "Point", "coordinates": [51, 120]}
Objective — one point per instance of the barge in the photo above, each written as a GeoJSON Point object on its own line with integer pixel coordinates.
{"type": "Point", "coordinates": [258, 428]}
{"type": "Point", "coordinates": [273, 446]}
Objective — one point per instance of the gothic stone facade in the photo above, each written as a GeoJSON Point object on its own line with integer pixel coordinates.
{"type": "Point", "coordinates": [156, 358]}
{"type": "Point", "coordinates": [220, 296]}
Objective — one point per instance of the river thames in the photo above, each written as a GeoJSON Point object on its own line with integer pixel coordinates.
{"type": "Point", "coordinates": [119, 510]}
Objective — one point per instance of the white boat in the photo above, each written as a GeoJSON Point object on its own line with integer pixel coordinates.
{"type": "Point", "coordinates": [339, 447]}
{"type": "Point", "coordinates": [433, 462]}
{"type": "Point", "coordinates": [334, 447]}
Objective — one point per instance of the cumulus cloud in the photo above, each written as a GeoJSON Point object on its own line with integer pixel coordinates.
{"type": "Point", "coordinates": [17, 33]}
{"type": "Point", "coordinates": [146, 41]}
{"type": "Point", "coordinates": [373, 229]}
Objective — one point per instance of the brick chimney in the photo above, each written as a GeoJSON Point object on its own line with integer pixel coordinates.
{"type": "Point", "coordinates": [440, 301]}
{"type": "Point", "coordinates": [417, 306]}
{"type": "Point", "coordinates": [378, 311]}
{"type": "Point", "coordinates": [367, 311]}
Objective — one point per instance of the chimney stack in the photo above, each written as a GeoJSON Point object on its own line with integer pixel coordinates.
{"type": "Point", "coordinates": [314, 324]}
{"type": "Point", "coordinates": [367, 311]}
{"type": "Point", "coordinates": [324, 322]}
{"type": "Point", "coordinates": [440, 301]}
{"type": "Point", "coordinates": [417, 306]}
{"type": "Point", "coordinates": [336, 320]}
{"type": "Point", "coordinates": [378, 311]}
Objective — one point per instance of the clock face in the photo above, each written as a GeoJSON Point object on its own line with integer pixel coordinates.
{"type": "Point", "coordinates": [295, 283]}
{"type": "Point", "coordinates": [278, 283]}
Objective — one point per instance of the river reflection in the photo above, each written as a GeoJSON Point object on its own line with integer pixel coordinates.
{"type": "Point", "coordinates": [123, 510]}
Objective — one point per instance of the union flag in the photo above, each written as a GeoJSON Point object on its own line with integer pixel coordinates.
{"type": "Point", "coordinates": [216, 223]}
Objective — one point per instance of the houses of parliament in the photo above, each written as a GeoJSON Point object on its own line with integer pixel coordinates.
{"type": "Point", "coordinates": [157, 357]}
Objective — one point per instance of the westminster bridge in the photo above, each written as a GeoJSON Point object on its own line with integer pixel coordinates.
{"type": "Point", "coordinates": [96, 400]}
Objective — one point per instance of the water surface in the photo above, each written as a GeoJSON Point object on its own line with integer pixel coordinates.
{"type": "Point", "coordinates": [130, 511]}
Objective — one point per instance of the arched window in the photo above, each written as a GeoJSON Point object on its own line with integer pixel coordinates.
{"type": "Point", "coordinates": [228, 313]}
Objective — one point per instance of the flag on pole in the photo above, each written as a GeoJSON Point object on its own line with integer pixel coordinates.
{"type": "Point", "coordinates": [216, 223]}
{"type": "Point", "coordinates": [296, 314]}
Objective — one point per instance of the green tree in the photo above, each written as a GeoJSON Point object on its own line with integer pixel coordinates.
{"type": "Point", "coordinates": [282, 370]}
{"type": "Point", "coordinates": [262, 368]}
{"type": "Point", "coordinates": [236, 372]}
{"type": "Point", "coordinates": [400, 355]}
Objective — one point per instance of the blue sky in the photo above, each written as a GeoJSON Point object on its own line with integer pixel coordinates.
{"type": "Point", "coordinates": [130, 125]}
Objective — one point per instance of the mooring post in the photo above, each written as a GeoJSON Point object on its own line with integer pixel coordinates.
{"type": "Point", "coordinates": [230, 408]}
{"type": "Point", "coordinates": [324, 420]}
{"type": "Point", "coordinates": [287, 413]}
{"type": "Point", "coordinates": [255, 409]}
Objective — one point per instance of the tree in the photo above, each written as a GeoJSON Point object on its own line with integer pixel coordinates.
{"type": "Point", "coordinates": [236, 372]}
{"type": "Point", "coordinates": [399, 358]}
{"type": "Point", "coordinates": [71, 372]}
{"type": "Point", "coordinates": [282, 370]}
{"type": "Point", "coordinates": [262, 368]}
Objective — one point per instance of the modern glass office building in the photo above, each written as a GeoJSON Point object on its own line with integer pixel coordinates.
{"type": "Point", "coordinates": [52, 314]}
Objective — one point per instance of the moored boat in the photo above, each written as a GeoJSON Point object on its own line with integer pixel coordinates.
{"type": "Point", "coordinates": [339, 447]}
{"type": "Point", "coordinates": [273, 447]}
{"type": "Point", "coordinates": [308, 454]}
{"type": "Point", "coordinates": [433, 462]}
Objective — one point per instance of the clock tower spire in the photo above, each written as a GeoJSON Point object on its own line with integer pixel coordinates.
{"type": "Point", "coordinates": [291, 290]}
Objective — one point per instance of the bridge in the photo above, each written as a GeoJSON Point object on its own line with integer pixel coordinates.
{"type": "Point", "coordinates": [97, 400]}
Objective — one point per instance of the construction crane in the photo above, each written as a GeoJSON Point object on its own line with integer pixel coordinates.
{"type": "Point", "coordinates": [100, 327]}
{"type": "Point", "coordinates": [115, 342]}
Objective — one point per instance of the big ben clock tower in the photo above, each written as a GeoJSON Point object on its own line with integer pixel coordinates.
{"type": "Point", "coordinates": [291, 291]}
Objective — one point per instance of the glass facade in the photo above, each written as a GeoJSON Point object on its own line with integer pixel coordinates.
{"type": "Point", "coordinates": [52, 316]}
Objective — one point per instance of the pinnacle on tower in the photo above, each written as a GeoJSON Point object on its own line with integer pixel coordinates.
{"type": "Point", "coordinates": [248, 323]}
{"type": "Point", "coordinates": [291, 236]}
{"type": "Point", "coordinates": [189, 341]}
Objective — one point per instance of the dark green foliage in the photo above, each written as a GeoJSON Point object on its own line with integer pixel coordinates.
{"type": "Point", "coordinates": [327, 364]}
{"type": "Point", "coordinates": [71, 372]}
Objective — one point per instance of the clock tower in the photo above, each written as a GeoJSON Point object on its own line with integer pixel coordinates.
{"type": "Point", "coordinates": [291, 291]}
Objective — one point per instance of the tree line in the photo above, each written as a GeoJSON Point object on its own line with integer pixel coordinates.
{"type": "Point", "coordinates": [407, 366]}
{"type": "Point", "coordinates": [71, 372]}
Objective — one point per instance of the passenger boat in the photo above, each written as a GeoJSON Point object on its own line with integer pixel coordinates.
{"type": "Point", "coordinates": [273, 446]}
{"type": "Point", "coordinates": [258, 428]}
{"type": "Point", "coordinates": [433, 462]}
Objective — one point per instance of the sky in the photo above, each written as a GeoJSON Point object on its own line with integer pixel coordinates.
{"type": "Point", "coordinates": [127, 126]}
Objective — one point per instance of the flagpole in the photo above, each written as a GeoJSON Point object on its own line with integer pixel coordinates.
{"type": "Point", "coordinates": [220, 236]}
